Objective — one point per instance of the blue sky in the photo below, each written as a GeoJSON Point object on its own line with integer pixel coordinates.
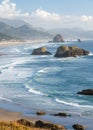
{"type": "Point", "coordinates": [71, 7]}
{"type": "Point", "coordinates": [50, 13]}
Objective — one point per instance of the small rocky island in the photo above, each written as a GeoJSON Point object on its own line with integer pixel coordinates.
{"type": "Point", "coordinates": [72, 51]}
{"type": "Point", "coordinates": [86, 92]}
{"type": "Point", "coordinates": [41, 51]}
{"type": "Point", "coordinates": [78, 40]}
{"type": "Point", "coordinates": [57, 38]}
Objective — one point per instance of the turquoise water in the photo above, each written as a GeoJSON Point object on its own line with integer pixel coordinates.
{"type": "Point", "coordinates": [45, 82]}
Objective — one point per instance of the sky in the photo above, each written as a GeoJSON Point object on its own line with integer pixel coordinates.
{"type": "Point", "coordinates": [50, 13]}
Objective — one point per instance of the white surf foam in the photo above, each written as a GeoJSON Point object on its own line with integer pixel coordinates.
{"type": "Point", "coordinates": [8, 70]}
{"type": "Point", "coordinates": [90, 54]}
{"type": "Point", "coordinates": [5, 99]}
{"type": "Point", "coordinates": [12, 65]}
{"type": "Point", "coordinates": [33, 90]}
{"type": "Point", "coordinates": [49, 69]}
{"type": "Point", "coordinates": [73, 104]}
{"type": "Point", "coordinates": [14, 62]}
{"type": "Point", "coordinates": [41, 71]}
{"type": "Point", "coordinates": [16, 50]}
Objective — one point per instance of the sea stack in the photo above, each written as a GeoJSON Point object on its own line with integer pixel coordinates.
{"type": "Point", "coordinates": [78, 40]}
{"type": "Point", "coordinates": [58, 38]}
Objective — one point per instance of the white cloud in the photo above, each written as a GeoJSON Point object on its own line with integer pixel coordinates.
{"type": "Point", "coordinates": [44, 15]}
{"type": "Point", "coordinates": [86, 18]}
{"type": "Point", "coordinates": [8, 10]}
{"type": "Point", "coordinates": [42, 18]}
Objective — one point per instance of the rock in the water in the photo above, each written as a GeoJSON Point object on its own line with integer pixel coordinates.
{"type": "Point", "coordinates": [78, 127]}
{"type": "Point", "coordinates": [65, 51]}
{"type": "Point", "coordinates": [58, 38]}
{"type": "Point", "coordinates": [41, 113]}
{"type": "Point", "coordinates": [86, 92]}
{"type": "Point", "coordinates": [41, 51]}
{"type": "Point", "coordinates": [41, 124]}
{"type": "Point", "coordinates": [78, 40]}
{"type": "Point", "coordinates": [61, 114]}
{"type": "Point", "coordinates": [25, 123]}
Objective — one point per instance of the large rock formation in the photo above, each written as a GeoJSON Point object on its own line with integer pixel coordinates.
{"type": "Point", "coordinates": [41, 124]}
{"type": "Point", "coordinates": [58, 38]}
{"type": "Point", "coordinates": [65, 51]}
{"type": "Point", "coordinates": [25, 123]}
{"type": "Point", "coordinates": [86, 92]}
{"type": "Point", "coordinates": [41, 51]}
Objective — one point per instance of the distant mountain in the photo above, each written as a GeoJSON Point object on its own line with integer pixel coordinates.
{"type": "Point", "coordinates": [27, 32]}
{"type": "Point", "coordinates": [13, 22]}
{"type": "Point", "coordinates": [5, 37]}
{"type": "Point", "coordinates": [74, 33]}
{"type": "Point", "coordinates": [24, 32]}
{"type": "Point", "coordinates": [4, 28]}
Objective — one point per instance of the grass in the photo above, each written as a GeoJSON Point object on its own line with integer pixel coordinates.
{"type": "Point", "coordinates": [15, 126]}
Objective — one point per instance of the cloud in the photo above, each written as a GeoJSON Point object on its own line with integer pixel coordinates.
{"type": "Point", "coordinates": [43, 18]}
{"type": "Point", "coordinates": [44, 15]}
{"type": "Point", "coordinates": [8, 10]}
{"type": "Point", "coordinates": [86, 18]}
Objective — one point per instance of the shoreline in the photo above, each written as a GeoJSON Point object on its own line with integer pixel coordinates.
{"type": "Point", "coordinates": [7, 115]}
{"type": "Point", "coordinates": [14, 111]}
{"type": "Point", "coordinates": [11, 43]}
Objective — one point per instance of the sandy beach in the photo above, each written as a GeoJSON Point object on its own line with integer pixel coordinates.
{"type": "Point", "coordinates": [67, 122]}
{"type": "Point", "coordinates": [11, 43]}
{"type": "Point", "coordinates": [6, 115]}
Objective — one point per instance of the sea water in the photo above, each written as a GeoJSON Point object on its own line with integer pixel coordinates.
{"type": "Point", "coordinates": [45, 82]}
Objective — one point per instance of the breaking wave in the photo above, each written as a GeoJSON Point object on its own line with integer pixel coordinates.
{"type": "Point", "coordinates": [5, 99]}
{"type": "Point", "coordinates": [33, 90]}
{"type": "Point", "coordinates": [73, 104]}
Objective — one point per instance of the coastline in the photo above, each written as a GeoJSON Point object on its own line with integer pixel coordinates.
{"type": "Point", "coordinates": [7, 114]}
{"type": "Point", "coordinates": [11, 43]}
{"type": "Point", "coordinates": [67, 122]}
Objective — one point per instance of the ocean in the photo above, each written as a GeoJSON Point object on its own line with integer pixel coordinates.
{"type": "Point", "coordinates": [45, 82]}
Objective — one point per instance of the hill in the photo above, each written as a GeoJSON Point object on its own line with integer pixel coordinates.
{"type": "Point", "coordinates": [13, 22]}
{"type": "Point", "coordinates": [6, 37]}
{"type": "Point", "coordinates": [24, 32]}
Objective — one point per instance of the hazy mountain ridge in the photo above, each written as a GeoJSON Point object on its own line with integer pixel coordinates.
{"type": "Point", "coordinates": [24, 32]}
{"type": "Point", "coordinates": [13, 22]}
{"type": "Point", "coordinates": [19, 29]}
{"type": "Point", "coordinates": [6, 37]}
